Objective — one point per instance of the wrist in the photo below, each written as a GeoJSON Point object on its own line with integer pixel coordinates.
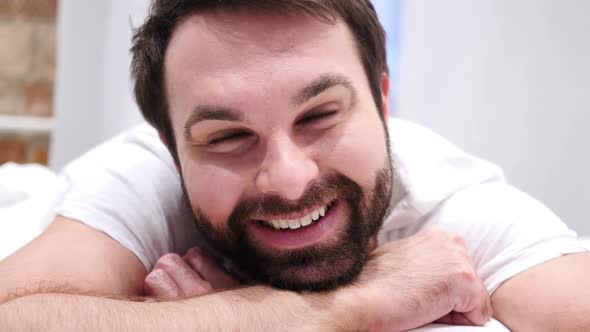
{"type": "Point", "coordinates": [368, 310]}
{"type": "Point", "coordinates": [346, 309]}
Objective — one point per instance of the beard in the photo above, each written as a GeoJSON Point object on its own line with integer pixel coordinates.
{"type": "Point", "coordinates": [319, 267]}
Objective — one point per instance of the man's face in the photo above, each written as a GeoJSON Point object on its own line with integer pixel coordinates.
{"type": "Point", "coordinates": [282, 152]}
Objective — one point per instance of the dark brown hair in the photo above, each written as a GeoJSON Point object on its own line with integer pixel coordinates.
{"type": "Point", "coordinates": [151, 40]}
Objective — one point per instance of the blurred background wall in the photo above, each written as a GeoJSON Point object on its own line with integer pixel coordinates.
{"type": "Point", "coordinates": [27, 66]}
{"type": "Point", "coordinates": [93, 101]}
{"type": "Point", "coordinates": [508, 80]}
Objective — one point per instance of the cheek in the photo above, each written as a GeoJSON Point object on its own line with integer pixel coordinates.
{"type": "Point", "coordinates": [213, 190]}
{"type": "Point", "coordinates": [360, 151]}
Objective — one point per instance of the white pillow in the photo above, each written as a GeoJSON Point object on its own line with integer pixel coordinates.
{"type": "Point", "coordinates": [10, 196]}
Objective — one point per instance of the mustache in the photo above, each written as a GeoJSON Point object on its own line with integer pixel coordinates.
{"type": "Point", "coordinates": [321, 191]}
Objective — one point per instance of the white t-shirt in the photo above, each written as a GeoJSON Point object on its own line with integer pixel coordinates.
{"type": "Point", "coordinates": [129, 189]}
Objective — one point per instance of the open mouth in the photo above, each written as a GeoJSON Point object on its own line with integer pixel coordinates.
{"type": "Point", "coordinates": [317, 226]}
{"type": "Point", "coordinates": [293, 224]}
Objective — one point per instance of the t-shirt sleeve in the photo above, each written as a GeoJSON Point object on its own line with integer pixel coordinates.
{"type": "Point", "coordinates": [506, 231]}
{"type": "Point", "coordinates": [129, 189]}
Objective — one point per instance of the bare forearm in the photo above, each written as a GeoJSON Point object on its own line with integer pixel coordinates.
{"type": "Point", "coordinates": [553, 296]}
{"type": "Point", "coordinates": [70, 256]}
{"type": "Point", "coordinates": [250, 309]}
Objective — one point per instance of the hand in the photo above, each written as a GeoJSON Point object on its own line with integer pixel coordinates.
{"type": "Point", "coordinates": [421, 279]}
{"type": "Point", "coordinates": [197, 273]}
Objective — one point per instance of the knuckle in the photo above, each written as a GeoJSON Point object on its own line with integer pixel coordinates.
{"type": "Point", "coordinates": [466, 275]}
{"type": "Point", "coordinates": [154, 277]}
{"type": "Point", "coordinates": [149, 280]}
{"type": "Point", "coordinates": [168, 261]}
{"type": "Point", "coordinates": [196, 261]}
{"type": "Point", "coordinates": [206, 285]}
{"type": "Point", "coordinates": [458, 239]}
{"type": "Point", "coordinates": [200, 287]}
{"type": "Point", "coordinates": [194, 251]}
{"type": "Point", "coordinates": [461, 257]}
{"type": "Point", "coordinates": [445, 286]}
{"type": "Point", "coordinates": [170, 257]}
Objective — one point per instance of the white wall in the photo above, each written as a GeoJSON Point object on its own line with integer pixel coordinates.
{"type": "Point", "coordinates": [508, 80]}
{"type": "Point", "coordinates": [78, 87]}
{"type": "Point", "coordinates": [93, 92]}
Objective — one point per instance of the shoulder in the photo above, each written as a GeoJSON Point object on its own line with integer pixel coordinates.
{"type": "Point", "coordinates": [129, 188]}
{"type": "Point", "coordinates": [506, 230]}
{"type": "Point", "coordinates": [137, 146]}
{"type": "Point", "coordinates": [428, 170]}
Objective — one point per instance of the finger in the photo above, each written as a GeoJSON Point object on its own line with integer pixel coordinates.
{"type": "Point", "coordinates": [455, 318]}
{"type": "Point", "coordinates": [159, 284]}
{"type": "Point", "coordinates": [188, 280]}
{"type": "Point", "coordinates": [209, 269]}
{"type": "Point", "coordinates": [483, 312]}
{"type": "Point", "coordinates": [477, 316]}
{"type": "Point", "coordinates": [446, 319]}
{"type": "Point", "coordinates": [457, 239]}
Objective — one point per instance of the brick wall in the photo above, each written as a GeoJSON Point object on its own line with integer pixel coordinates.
{"type": "Point", "coordinates": [24, 148]}
{"type": "Point", "coordinates": [27, 66]}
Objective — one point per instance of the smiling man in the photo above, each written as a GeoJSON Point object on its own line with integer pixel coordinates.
{"type": "Point", "coordinates": [285, 132]}
{"type": "Point", "coordinates": [279, 149]}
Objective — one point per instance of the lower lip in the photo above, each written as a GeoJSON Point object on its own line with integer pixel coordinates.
{"type": "Point", "coordinates": [301, 237]}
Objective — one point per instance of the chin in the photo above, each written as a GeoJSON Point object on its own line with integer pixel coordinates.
{"type": "Point", "coordinates": [318, 277]}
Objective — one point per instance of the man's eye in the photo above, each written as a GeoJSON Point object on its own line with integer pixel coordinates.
{"type": "Point", "coordinates": [229, 138]}
{"type": "Point", "coordinates": [315, 117]}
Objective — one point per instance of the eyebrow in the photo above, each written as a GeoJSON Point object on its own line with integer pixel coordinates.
{"type": "Point", "coordinates": [314, 89]}
{"type": "Point", "coordinates": [323, 83]}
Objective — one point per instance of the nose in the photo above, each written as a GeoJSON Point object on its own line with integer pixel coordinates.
{"type": "Point", "coordinates": [287, 169]}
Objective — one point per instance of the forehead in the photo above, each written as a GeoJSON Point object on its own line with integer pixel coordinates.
{"type": "Point", "coordinates": [216, 53]}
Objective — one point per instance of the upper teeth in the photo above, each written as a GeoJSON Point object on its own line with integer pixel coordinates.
{"type": "Point", "coordinates": [300, 222]}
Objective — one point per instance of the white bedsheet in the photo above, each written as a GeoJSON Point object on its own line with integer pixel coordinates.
{"type": "Point", "coordinates": [492, 326]}
{"type": "Point", "coordinates": [28, 194]}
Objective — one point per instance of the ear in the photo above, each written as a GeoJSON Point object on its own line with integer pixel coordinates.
{"type": "Point", "coordinates": [385, 96]}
